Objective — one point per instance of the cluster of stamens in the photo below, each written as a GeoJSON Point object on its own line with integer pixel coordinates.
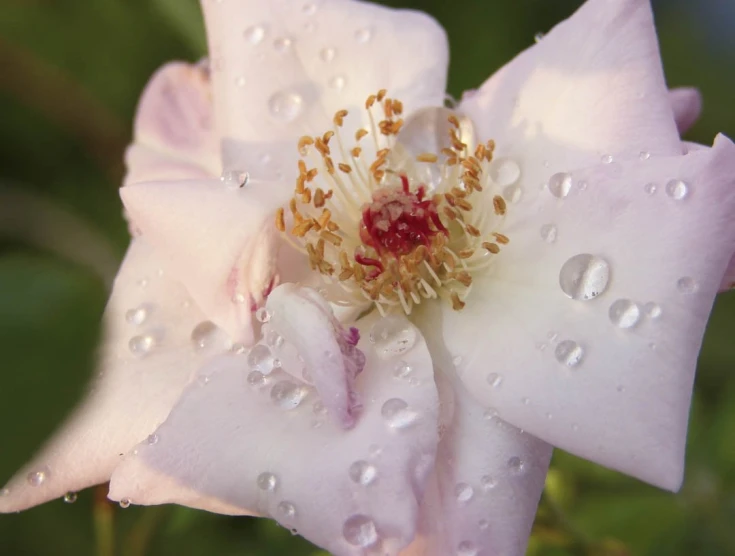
{"type": "Point", "coordinates": [381, 234]}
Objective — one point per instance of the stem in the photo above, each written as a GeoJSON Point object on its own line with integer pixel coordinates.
{"type": "Point", "coordinates": [104, 522]}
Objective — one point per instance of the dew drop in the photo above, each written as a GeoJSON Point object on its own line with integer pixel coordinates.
{"type": "Point", "coordinates": [392, 336]}
{"type": "Point", "coordinates": [653, 310]}
{"type": "Point", "coordinates": [584, 277]}
{"type": "Point", "coordinates": [483, 524]}
{"type": "Point", "coordinates": [687, 285]}
{"type": "Point", "coordinates": [466, 548]}
{"type": "Point", "coordinates": [457, 360]}
{"type": "Point", "coordinates": [137, 316]}
{"type": "Point", "coordinates": [538, 37]}
{"type": "Point", "coordinates": [152, 439]}
{"type": "Point", "coordinates": [4, 492]}
{"type": "Point", "coordinates": [285, 106]}
{"type": "Point", "coordinates": [495, 380]}
{"type": "Point", "coordinates": [262, 315]}
{"type": "Point", "coordinates": [569, 353]}
{"type": "Point", "coordinates": [463, 492]}
{"type": "Point", "coordinates": [286, 510]}
{"type": "Point", "coordinates": [548, 233]}
{"type": "Point", "coordinates": [644, 155]}
{"type": "Point", "coordinates": [560, 184]}
{"type": "Point", "coordinates": [287, 394]}
{"type": "Point", "coordinates": [125, 503]}
{"type": "Point", "coordinates": [505, 171]}
{"type": "Point", "coordinates": [488, 482]}
{"type": "Point", "coordinates": [607, 159]}
{"type": "Point", "coordinates": [267, 482]}
{"type": "Point", "coordinates": [282, 44]}
{"type": "Point", "coordinates": [234, 179]}
{"type": "Point", "coordinates": [327, 54]}
{"type": "Point", "coordinates": [513, 193]}
{"type": "Point", "coordinates": [402, 370]}
{"type": "Point", "coordinates": [359, 530]}
{"type": "Point", "coordinates": [624, 313]}
{"type": "Point", "coordinates": [526, 401]}
{"type": "Point", "coordinates": [208, 335]}
{"type": "Point", "coordinates": [256, 379]}
{"type": "Point", "coordinates": [261, 358]}
{"type": "Point", "coordinates": [677, 189]}
{"type": "Point", "coordinates": [140, 346]}
{"type": "Point", "coordinates": [254, 34]}
{"type": "Point", "coordinates": [70, 497]}
{"type": "Point", "coordinates": [397, 414]}
{"type": "Point", "coordinates": [363, 473]}
{"type": "Point", "coordinates": [363, 35]}
{"type": "Point", "coordinates": [274, 339]}
{"type": "Point", "coordinates": [490, 413]}
{"type": "Point", "coordinates": [516, 465]}
{"type": "Point", "coordinates": [37, 478]}
{"type": "Point", "coordinates": [650, 188]}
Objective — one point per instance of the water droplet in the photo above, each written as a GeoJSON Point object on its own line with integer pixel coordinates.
{"type": "Point", "coordinates": [495, 380]}
{"type": "Point", "coordinates": [337, 82]}
{"type": "Point", "coordinates": [457, 361]}
{"type": "Point", "coordinates": [153, 439]}
{"type": "Point", "coordinates": [526, 401]}
{"type": "Point", "coordinates": [285, 106]}
{"type": "Point", "coordinates": [363, 35]}
{"type": "Point", "coordinates": [687, 285]}
{"type": "Point", "coordinates": [256, 379]}
{"type": "Point", "coordinates": [318, 408]}
{"type": "Point", "coordinates": [374, 450]}
{"type": "Point", "coordinates": [650, 188]}
{"type": "Point", "coordinates": [208, 335]}
{"type": "Point", "coordinates": [677, 189]}
{"type": "Point", "coordinates": [653, 310]}
{"type": "Point", "coordinates": [282, 44]}
{"type": "Point", "coordinates": [513, 193]}
{"type": "Point", "coordinates": [260, 359]}
{"type": "Point", "coordinates": [607, 159]}
{"type": "Point", "coordinates": [624, 313]}
{"type": "Point", "coordinates": [490, 413]}
{"type": "Point", "coordinates": [267, 482]}
{"type": "Point", "coordinates": [504, 171]}
{"type": "Point", "coordinates": [483, 524]}
{"type": "Point", "coordinates": [327, 54]}
{"type": "Point", "coordinates": [234, 179]}
{"type": "Point", "coordinates": [363, 473]}
{"type": "Point", "coordinates": [262, 315]}
{"type": "Point", "coordinates": [560, 184]}
{"type": "Point", "coordinates": [402, 370]}
{"type": "Point", "coordinates": [644, 155]}
{"type": "Point", "coordinates": [4, 492]}
{"type": "Point", "coordinates": [569, 353]}
{"type": "Point", "coordinates": [274, 339]}
{"type": "Point", "coordinates": [466, 548]}
{"type": "Point", "coordinates": [488, 483]}
{"type": "Point", "coordinates": [70, 497]}
{"type": "Point", "coordinates": [137, 316]}
{"type": "Point", "coordinates": [392, 336]}
{"type": "Point", "coordinates": [140, 346]}
{"type": "Point", "coordinates": [548, 233]}
{"type": "Point", "coordinates": [254, 34]}
{"type": "Point", "coordinates": [516, 465]}
{"type": "Point", "coordinates": [287, 394]}
{"type": "Point", "coordinates": [37, 478]}
{"type": "Point", "coordinates": [584, 276]}
{"type": "Point", "coordinates": [538, 37]}
{"type": "Point", "coordinates": [359, 530]}
{"type": "Point", "coordinates": [397, 414]}
{"type": "Point", "coordinates": [125, 503]}
{"type": "Point", "coordinates": [286, 510]}
{"type": "Point", "coordinates": [463, 492]}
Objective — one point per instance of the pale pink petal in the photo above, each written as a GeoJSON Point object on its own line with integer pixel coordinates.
{"type": "Point", "coordinates": [728, 282]}
{"type": "Point", "coordinates": [282, 70]}
{"type": "Point", "coordinates": [265, 444]}
{"type": "Point", "coordinates": [175, 135]}
{"type": "Point", "coordinates": [488, 481]}
{"type": "Point", "coordinates": [686, 102]}
{"type": "Point", "coordinates": [218, 240]}
{"type": "Point", "coordinates": [150, 352]}
{"type": "Point", "coordinates": [608, 378]}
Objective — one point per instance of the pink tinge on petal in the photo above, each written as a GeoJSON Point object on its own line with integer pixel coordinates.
{"type": "Point", "coordinates": [686, 102]}
{"type": "Point", "coordinates": [329, 351]}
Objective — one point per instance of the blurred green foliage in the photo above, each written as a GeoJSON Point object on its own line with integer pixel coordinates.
{"type": "Point", "coordinates": [72, 73]}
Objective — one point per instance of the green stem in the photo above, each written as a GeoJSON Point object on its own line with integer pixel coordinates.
{"type": "Point", "coordinates": [104, 522]}
{"type": "Point", "coordinates": [142, 532]}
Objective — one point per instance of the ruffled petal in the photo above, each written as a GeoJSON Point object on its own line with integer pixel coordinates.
{"type": "Point", "coordinates": [175, 135]}
{"type": "Point", "coordinates": [155, 339]}
{"type": "Point", "coordinates": [220, 241]}
{"type": "Point", "coordinates": [281, 71]}
{"type": "Point", "coordinates": [263, 444]}
{"type": "Point", "coordinates": [640, 247]}
{"type": "Point", "coordinates": [686, 102]}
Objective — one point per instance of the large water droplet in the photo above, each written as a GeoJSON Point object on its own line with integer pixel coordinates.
{"type": "Point", "coordinates": [285, 106]}
{"type": "Point", "coordinates": [140, 346]}
{"type": "Point", "coordinates": [327, 54]}
{"type": "Point", "coordinates": [392, 336]}
{"type": "Point", "coordinates": [254, 34]}
{"type": "Point", "coordinates": [287, 394]}
{"type": "Point", "coordinates": [234, 179]}
{"type": "Point", "coordinates": [677, 189]}
{"type": "Point", "coordinates": [38, 477]}
{"type": "Point", "coordinates": [286, 510]}
{"type": "Point", "coordinates": [267, 482]}
{"type": "Point", "coordinates": [504, 171]}
{"type": "Point", "coordinates": [359, 530]}
{"type": "Point", "coordinates": [560, 184]}
{"type": "Point", "coordinates": [569, 353]}
{"type": "Point", "coordinates": [548, 233]}
{"type": "Point", "coordinates": [687, 285]}
{"type": "Point", "coordinates": [584, 277]}
{"type": "Point", "coordinates": [624, 313]}
{"type": "Point", "coordinates": [463, 492]}
{"type": "Point", "coordinates": [363, 472]}
{"type": "Point", "coordinates": [137, 316]}
{"type": "Point", "coordinates": [363, 35]}
{"type": "Point", "coordinates": [125, 503]}
{"type": "Point", "coordinates": [495, 380]}
{"type": "Point", "coordinates": [397, 413]}
{"type": "Point", "coordinates": [261, 359]}
{"type": "Point", "coordinates": [208, 335]}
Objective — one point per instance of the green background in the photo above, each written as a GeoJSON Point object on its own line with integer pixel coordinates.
{"type": "Point", "coordinates": [71, 75]}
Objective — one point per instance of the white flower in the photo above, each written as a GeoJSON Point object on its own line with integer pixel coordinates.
{"type": "Point", "coordinates": [586, 264]}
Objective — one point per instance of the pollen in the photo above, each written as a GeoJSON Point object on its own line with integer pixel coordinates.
{"type": "Point", "coordinates": [368, 222]}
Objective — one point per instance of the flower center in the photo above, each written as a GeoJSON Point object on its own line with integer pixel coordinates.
{"type": "Point", "coordinates": [381, 232]}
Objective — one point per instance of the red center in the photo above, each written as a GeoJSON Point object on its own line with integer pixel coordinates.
{"type": "Point", "coordinates": [398, 221]}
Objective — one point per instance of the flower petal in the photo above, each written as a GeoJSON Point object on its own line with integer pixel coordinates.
{"type": "Point", "coordinates": [220, 242]}
{"type": "Point", "coordinates": [489, 477]}
{"type": "Point", "coordinates": [608, 378]}
{"type": "Point", "coordinates": [175, 137]}
{"type": "Point", "coordinates": [686, 102]}
{"type": "Point", "coordinates": [147, 359]}
{"type": "Point", "coordinates": [281, 71]}
{"type": "Point", "coordinates": [237, 438]}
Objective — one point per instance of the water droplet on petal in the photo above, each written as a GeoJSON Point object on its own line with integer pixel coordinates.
{"type": "Point", "coordinates": [504, 171]}
{"type": "Point", "coordinates": [286, 510]}
{"type": "Point", "coordinates": [483, 524]}
{"type": "Point", "coordinates": [466, 548]}
{"type": "Point", "coordinates": [677, 190]}
{"type": "Point", "coordinates": [653, 310]}
{"type": "Point", "coordinates": [687, 285]}
{"type": "Point", "coordinates": [254, 34]}
{"type": "Point", "coordinates": [262, 315]}
{"type": "Point", "coordinates": [569, 353]}
{"type": "Point", "coordinates": [37, 478]}
{"type": "Point", "coordinates": [287, 394]}
{"type": "Point", "coordinates": [397, 414]}
{"type": "Point", "coordinates": [624, 313]}
{"type": "Point", "coordinates": [538, 37]}
{"type": "Point", "coordinates": [234, 179]}
{"type": "Point", "coordinates": [285, 106]}
{"type": "Point", "coordinates": [256, 379]}
{"type": "Point", "coordinates": [513, 193]}
{"type": "Point", "coordinates": [607, 159]}
{"type": "Point", "coordinates": [402, 370]}
{"type": "Point", "coordinates": [327, 54]}
{"type": "Point", "coordinates": [274, 339]}
{"type": "Point", "coordinates": [140, 346]}
{"type": "Point", "coordinates": [488, 483]}
{"type": "Point", "coordinates": [4, 492]}
{"type": "Point", "coordinates": [363, 35]}
{"type": "Point", "coordinates": [137, 316]}
{"type": "Point", "coordinates": [359, 530]}
{"type": "Point", "coordinates": [282, 44]}
{"type": "Point", "coordinates": [650, 188]}
{"type": "Point", "coordinates": [560, 184]}
{"type": "Point", "coordinates": [125, 503]}
{"type": "Point", "coordinates": [644, 155]}
{"type": "Point", "coordinates": [363, 472]}
{"type": "Point", "coordinates": [490, 413]}
{"type": "Point", "coordinates": [584, 277]}
{"type": "Point", "coordinates": [548, 233]}
{"type": "Point", "coordinates": [208, 335]}
{"type": "Point", "coordinates": [463, 492]}
{"type": "Point", "coordinates": [267, 482]}
{"type": "Point", "coordinates": [70, 497]}
{"type": "Point", "coordinates": [153, 439]}
{"type": "Point", "coordinates": [337, 82]}
{"type": "Point", "coordinates": [495, 380]}
{"type": "Point", "coordinates": [516, 465]}
{"type": "Point", "coordinates": [260, 359]}
{"type": "Point", "coordinates": [392, 336]}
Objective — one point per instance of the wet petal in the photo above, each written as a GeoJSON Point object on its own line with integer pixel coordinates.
{"type": "Point", "coordinates": [595, 311]}
{"type": "Point", "coordinates": [175, 137]}
{"type": "Point", "coordinates": [281, 71]}
{"type": "Point", "coordinates": [264, 444]}
{"type": "Point", "coordinates": [147, 359]}
{"type": "Point", "coordinates": [686, 102]}
{"type": "Point", "coordinates": [218, 240]}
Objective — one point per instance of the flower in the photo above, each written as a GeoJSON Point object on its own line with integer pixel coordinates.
{"type": "Point", "coordinates": [589, 240]}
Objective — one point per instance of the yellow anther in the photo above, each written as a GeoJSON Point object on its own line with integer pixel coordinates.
{"type": "Point", "coordinates": [280, 220]}
{"type": "Point", "coordinates": [427, 157]}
